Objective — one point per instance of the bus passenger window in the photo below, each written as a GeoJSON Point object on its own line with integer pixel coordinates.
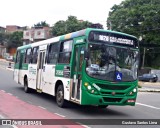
{"type": "Point", "coordinates": [65, 52]}
{"type": "Point", "coordinates": [28, 55]}
{"type": "Point", "coordinates": [18, 57]}
{"type": "Point", "coordinates": [53, 53]}
{"type": "Point", "coordinates": [35, 55]}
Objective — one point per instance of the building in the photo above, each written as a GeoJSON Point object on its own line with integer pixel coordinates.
{"type": "Point", "coordinates": [36, 34]}
{"type": "Point", "coordinates": [97, 25]}
{"type": "Point", "coordinates": [14, 28]}
{"type": "Point", "coordinates": [2, 51]}
{"type": "Point", "coordinates": [2, 29]}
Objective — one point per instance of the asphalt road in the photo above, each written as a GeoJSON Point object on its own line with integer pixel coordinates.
{"type": "Point", "coordinates": [147, 106]}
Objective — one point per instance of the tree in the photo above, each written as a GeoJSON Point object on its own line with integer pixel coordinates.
{"type": "Point", "coordinates": [41, 24]}
{"type": "Point", "coordinates": [15, 39]}
{"type": "Point", "coordinates": [59, 28]}
{"type": "Point", "coordinates": [2, 38]}
{"type": "Point", "coordinates": [70, 25]}
{"type": "Point", "coordinates": [140, 18]}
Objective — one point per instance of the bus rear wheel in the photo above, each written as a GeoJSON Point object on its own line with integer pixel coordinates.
{"type": "Point", "coordinates": [60, 96]}
{"type": "Point", "coordinates": [26, 89]}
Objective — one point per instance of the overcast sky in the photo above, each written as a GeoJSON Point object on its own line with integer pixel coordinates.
{"type": "Point", "coordinates": [30, 12]}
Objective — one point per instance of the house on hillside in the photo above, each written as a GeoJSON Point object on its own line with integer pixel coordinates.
{"type": "Point", "coordinates": [15, 28]}
{"type": "Point", "coordinates": [2, 51]}
{"type": "Point", "coordinates": [36, 34]}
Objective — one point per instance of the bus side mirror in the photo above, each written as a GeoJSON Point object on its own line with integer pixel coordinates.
{"type": "Point", "coordinates": [86, 54]}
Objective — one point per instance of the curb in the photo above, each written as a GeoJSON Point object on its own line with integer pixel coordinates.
{"type": "Point", "coordinates": [9, 69]}
{"type": "Point", "coordinates": [3, 60]}
{"type": "Point", "coordinates": [149, 83]}
{"type": "Point", "coordinates": [148, 90]}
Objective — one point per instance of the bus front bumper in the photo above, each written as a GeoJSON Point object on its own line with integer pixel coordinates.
{"type": "Point", "coordinates": [91, 99]}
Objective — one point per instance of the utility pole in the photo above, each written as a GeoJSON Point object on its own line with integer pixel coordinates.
{"type": "Point", "coordinates": [144, 52]}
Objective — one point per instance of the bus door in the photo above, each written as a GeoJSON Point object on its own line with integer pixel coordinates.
{"type": "Point", "coordinates": [41, 60]}
{"type": "Point", "coordinates": [18, 66]}
{"type": "Point", "coordinates": [77, 73]}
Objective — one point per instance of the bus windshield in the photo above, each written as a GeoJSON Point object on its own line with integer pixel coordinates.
{"type": "Point", "coordinates": [105, 61]}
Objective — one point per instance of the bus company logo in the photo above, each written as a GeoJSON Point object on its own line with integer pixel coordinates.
{"type": "Point", "coordinates": [59, 72]}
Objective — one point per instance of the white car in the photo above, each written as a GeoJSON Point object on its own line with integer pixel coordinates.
{"type": "Point", "coordinates": [9, 58]}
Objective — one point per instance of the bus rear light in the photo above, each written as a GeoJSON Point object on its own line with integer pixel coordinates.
{"type": "Point", "coordinates": [131, 101]}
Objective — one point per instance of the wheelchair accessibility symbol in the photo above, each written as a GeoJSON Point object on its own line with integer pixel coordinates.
{"type": "Point", "coordinates": [118, 76]}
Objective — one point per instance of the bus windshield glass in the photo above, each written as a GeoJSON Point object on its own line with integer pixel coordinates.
{"type": "Point", "coordinates": [105, 61]}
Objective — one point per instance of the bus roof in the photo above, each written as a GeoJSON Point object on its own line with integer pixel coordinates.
{"type": "Point", "coordinates": [70, 36]}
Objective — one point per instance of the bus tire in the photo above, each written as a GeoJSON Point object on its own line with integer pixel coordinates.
{"type": "Point", "coordinates": [60, 96]}
{"type": "Point", "coordinates": [26, 89]}
{"type": "Point", "coordinates": [102, 106]}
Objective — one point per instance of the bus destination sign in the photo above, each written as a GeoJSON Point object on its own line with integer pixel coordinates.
{"type": "Point", "coordinates": [113, 38]}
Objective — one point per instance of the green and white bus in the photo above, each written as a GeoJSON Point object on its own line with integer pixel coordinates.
{"type": "Point", "coordinates": [88, 67]}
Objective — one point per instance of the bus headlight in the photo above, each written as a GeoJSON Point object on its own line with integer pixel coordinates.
{"type": "Point", "coordinates": [89, 87]}
{"type": "Point", "coordinates": [134, 90]}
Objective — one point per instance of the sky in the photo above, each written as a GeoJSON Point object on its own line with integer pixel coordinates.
{"type": "Point", "coordinates": [30, 12]}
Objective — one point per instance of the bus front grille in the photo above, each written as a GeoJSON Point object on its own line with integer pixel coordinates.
{"type": "Point", "coordinates": [113, 87]}
{"type": "Point", "coordinates": [110, 93]}
{"type": "Point", "coordinates": [112, 100]}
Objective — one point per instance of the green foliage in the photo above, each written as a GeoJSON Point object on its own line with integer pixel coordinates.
{"type": "Point", "coordinates": [41, 24]}
{"type": "Point", "coordinates": [59, 28]}
{"type": "Point", "coordinates": [70, 25]}
{"type": "Point", "coordinates": [2, 38]}
{"type": "Point", "coordinates": [140, 18]}
{"type": "Point", "coordinates": [15, 39]}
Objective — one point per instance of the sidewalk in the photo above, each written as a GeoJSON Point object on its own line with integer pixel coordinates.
{"type": "Point", "coordinates": [4, 60]}
{"type": "Point", "coordinates": [149, 87]}
{"type": "Point", "coordinates": [13, 108]}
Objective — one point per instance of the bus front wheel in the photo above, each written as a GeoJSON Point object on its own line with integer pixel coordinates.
{"type": "Point", "coordinates": [26, 89]}
{"type": "Point", "coordinates": [60, 96]}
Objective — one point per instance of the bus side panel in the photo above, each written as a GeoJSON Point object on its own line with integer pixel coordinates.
{"type": "Point", "coordinates": [32, 75]}
{"type": "Point", "coordinates": [60, 75]}
{"type": "Point", "coordinates": [15, 74]}
{"type": "Point", "coordinates": [66, 84]}
{"type": "Point", "coordinates": [48, 75]}
{"type": "Point", "coordinates": [22, 73]}
{"type": "Point", "coordinates": [49, 81]}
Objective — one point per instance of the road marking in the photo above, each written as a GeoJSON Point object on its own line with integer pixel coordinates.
{"type": "Point", "coordinates": [83, 125]}
{"type": "Point", "coordinates": [41, 107]}
{"type": "Point", "coordinates": [10, 94]}
{"type": "Point", "coordinates": [29, 102]}
{"type": "Point", "coordinates": [59, 115]}
{"type": "Point", "coordinates": [147, 106]}
{"type": "Point", "coordinates": [3, 91]}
